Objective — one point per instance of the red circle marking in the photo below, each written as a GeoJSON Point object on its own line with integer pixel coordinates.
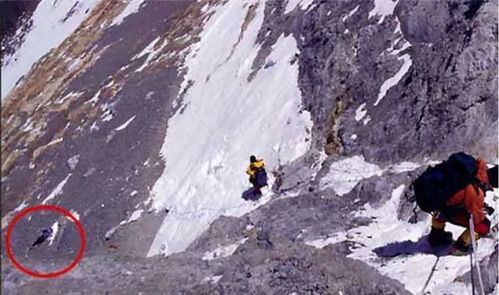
{"type": "Point", "coordinates": [22, 214]}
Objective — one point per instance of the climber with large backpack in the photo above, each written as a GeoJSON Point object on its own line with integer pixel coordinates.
{"type": "Point", "coordinates": [257, 174]}
{"type": "Point", "coordinates": [452, 191]}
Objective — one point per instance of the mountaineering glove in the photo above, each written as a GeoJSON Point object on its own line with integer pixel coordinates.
{"type": "Point", "coordinates": [483, 228]}
{"type": "Point", "coordinates": [487, 209]}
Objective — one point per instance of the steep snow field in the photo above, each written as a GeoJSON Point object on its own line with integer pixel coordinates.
{"type": "Point", "coordinates": [53, 22]}
{"type": "Point", "coordinates": [225, 119]}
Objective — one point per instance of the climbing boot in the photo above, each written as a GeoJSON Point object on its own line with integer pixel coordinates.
{"type": "Point", "coordinates": [439, 237]}
{"type": "Point", "coordinates": [460, 248]}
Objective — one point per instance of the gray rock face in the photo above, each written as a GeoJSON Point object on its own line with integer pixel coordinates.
{"type": "Point", "coordinates": [344, 61]}
{"type": "Point", "coordinates": [448, 100]}
{"type": "Point", "coordinates": [272, 260]}
{"type": "Point", "coordinates": [445, 101]}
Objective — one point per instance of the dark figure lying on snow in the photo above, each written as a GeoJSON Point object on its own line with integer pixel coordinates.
{"type": "Point", "coordinates": [46, 233]}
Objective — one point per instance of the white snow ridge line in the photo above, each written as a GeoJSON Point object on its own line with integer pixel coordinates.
{"type": "Point", "coordinates": [21, 207]}
{"type": "Point", "coordinates": [389, 83]}
{"type": "Point", "coordinates": [57, 190]}
{"type": "Point", "coordinates": [132, 218]}
{"type": "Point", "coordinates": [350, 13]}
{"type": "Point", "coordinates": [124, 125]}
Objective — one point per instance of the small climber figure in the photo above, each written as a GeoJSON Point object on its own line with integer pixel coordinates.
{"type": "Point", "coordinates": [46, 233]}
{"type": "Point", "coordinates": [257, 174]}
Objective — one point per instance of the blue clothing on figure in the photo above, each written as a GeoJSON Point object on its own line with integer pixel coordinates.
{"type": "Point", "coordinates": [46, 233]}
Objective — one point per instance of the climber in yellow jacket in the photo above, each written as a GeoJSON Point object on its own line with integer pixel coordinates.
{"type": "Point", "coordinates": [257, 174]}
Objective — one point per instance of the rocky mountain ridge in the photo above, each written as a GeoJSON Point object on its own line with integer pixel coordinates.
{"type": "Point", "coordinates": [357, 97]}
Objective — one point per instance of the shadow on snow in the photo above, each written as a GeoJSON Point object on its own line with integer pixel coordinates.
{"type": "Point", "coordinates": [250, 195]}
{"type": "Point", "coordinates": [409, 247]}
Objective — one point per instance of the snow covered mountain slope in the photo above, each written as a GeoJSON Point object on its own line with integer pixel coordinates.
{"type": "Point", "coordinates": [205, 154]}
{"type": "Point", "coordinates": [140, 117]}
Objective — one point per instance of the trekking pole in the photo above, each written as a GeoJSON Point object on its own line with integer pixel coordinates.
{"type": "Point", "coordinates": [473, 252]}
{"type": "Point", "coordinates": [471, 273]}
{"type": "Point", "coordinates": [431, 275]}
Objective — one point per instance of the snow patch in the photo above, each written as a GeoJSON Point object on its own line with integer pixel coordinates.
{"type": "Point", "coordinates": [291, 5]}
{"type": "Point", "coordinates": [223, 251]}
{"type": "Point", "coordinates": [344, 175]}
{"type": "Point", "coordinates": [132, 7]}
{"type": "Point", "coordinates": [94, 98]}
{"type": "Point", "coordinates": [382, 8]}
{"type": "Point", "coordinates": [406, 63]}
{"type": "Point", "coordinates": [360, 112]}
{"type": "Point", "coordinates": [212, 279]}
{"type": "Point", "coordinates": [411, 270]}
{"type": "Point", "coordinates": [206, 157]}
{"type": "Point", "coordinates": [321, 243]}
{"type": "Point", "coordinates": [67, 96]}
{"type": "Point", "coordinates": [22, 206]}
{"type": "Point", "coordinates": [124, 125]}
{"type": "Point", "coordinates": [75, 62]}
{"type": "Point", "coordinates": [366, 120]}
{"type": "Point", "coordinates": [55, 141]}
{"type": "Point", "coordinates": [55, 229]}
{"type": "Point", "coordinates": [132, 218]}
{"type": "Point", "coordinates": [151, 54]}
{"type": "Point", "coordinates": [350, 13]}
{"type": "Point", "coordinates": [94, 127]}
{"type": "Point", "coordinates": [73, 161]}
{"type": "Point", "coordinates": [75, 214]}
{"type": "Point", "coordinates": [57, 190]}
{"type": "Point", "coordinates": [404, 167]}
{"type": "Point", "coordinates": [107, 117]}
{"type": "Point", "coordinates": [389, 83]}
{"type": "Point", "coordinates": [28, 125]}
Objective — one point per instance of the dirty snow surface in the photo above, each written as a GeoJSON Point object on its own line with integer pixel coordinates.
{"type": "Point", "coordinates": [206, 157]}
{"type": "Point", "coordinates": [223, 251]}
{"type": "Point", "coordinates": [412, 270]}
{"type": "Point", "coordinates": [344, 175]}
